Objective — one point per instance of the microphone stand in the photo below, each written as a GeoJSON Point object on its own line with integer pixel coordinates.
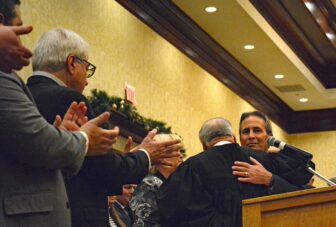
{"type": "Point", "coordinates": [330, 183]}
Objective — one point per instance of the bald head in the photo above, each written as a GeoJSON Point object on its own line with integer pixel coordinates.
{"type": "Point", "coordinates": [214, 129]}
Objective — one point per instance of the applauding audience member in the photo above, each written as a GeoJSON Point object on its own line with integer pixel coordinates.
{"type": "Point", "coordinates": [32, 151]}
{"type": "Point", "coordinates": [61, 69]}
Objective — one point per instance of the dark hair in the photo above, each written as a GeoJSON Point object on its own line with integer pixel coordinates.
{"type": "Point", "coordinates": [259, 114]}
{"type": "Point", "coordinates": [7, 9]}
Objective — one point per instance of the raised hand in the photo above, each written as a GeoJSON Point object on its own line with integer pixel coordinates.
{"type": "Point", "coordinates": [100, 140]}
{"type": "Point", "coordinates": [73, 118]}
{"type": "Point", "coordinates": [159, 150]}
{"type": "Point", "coordinates": [13, 55]}
{"type": "Point", "coordinates": [128, 145]}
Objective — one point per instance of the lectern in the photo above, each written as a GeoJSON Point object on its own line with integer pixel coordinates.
{"type": "Point", "coordinates": [306, 208]}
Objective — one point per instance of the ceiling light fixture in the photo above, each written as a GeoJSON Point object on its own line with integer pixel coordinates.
{"type": "Point", "coordinates": [303, 99]}
{"type": "Point", "coordinates": [330, 35]}
{"type": "Point", "coordinates": [311, 6]}
{"type": "Point", "coordinates": [249, 47]}
{"type": "Point", "coordinates": [211, 9]}
{"type": "Point", "coordinates": [279, 76]}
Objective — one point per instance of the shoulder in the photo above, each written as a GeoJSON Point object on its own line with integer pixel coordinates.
{"type": "Point", "coordinates": [9, 78]}
{"type": "Point", "coordinates": [151, 181]}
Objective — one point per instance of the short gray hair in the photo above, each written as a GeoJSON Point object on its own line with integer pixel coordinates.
{"type": "Point", "coordinates": [214, 128]}
{"type": "Point", "coordinates": [54, 46]}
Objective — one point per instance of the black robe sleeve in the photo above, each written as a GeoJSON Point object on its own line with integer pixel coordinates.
{"type": "Point", "coordinates": [290, 166]}
{"type": "Point", "coordinates": [183, 200]}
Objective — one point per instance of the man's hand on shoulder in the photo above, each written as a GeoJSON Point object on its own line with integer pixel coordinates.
{"type": "Point", "coordinates": [253, 173]}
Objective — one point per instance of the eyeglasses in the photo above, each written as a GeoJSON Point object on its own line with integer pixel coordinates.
{"type": "Point", "coordinates": [90, 68]}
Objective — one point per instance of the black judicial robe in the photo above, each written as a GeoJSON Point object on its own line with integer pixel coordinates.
{"type": "Point", "coordinates": [203, 191]}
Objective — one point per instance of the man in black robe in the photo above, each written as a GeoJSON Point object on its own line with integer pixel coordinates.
{"type": "Point", "coordinates": [204, 192]}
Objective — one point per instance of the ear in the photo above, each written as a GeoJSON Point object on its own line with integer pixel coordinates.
{"type": "Point", "coordinates": [234, 139]}
{"type": "Point", "coordinates": [204, 146]}
{"type": "Point", "coordinates": [70, 64]}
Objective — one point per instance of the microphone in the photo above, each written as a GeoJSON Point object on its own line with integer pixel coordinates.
{"type": "Point", "coordinates": [271, 141]}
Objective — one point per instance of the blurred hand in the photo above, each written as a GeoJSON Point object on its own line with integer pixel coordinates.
{"type": "Point", "coordinates": [255, 174]}
{"type": "Point", "coordinates": [128, 145]}
{"type": "Point", "coordinates": [13, 55]}
{"type": "Point", "coordinates": [100, 140]}
{"type": "Point", "coordinates": [158, 151]}
{"type": "Point", "coordinates": [73, 118]}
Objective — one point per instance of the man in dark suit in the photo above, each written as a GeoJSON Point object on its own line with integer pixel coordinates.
{"type": "Point", "coordinates": [61, 69]}
{"type": "Point", "coordinates": [32, 151]}
{"type": "Point", "coordinates": [204, 192]}
{"type": "Point", "coordinates": [254, 128]}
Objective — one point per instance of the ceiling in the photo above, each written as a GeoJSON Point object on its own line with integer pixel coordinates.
{"type": "Point", "coordinates": [289, 39]}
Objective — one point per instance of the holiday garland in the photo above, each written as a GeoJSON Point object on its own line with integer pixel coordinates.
{"type": "Point", "coordinates": [100, 102]}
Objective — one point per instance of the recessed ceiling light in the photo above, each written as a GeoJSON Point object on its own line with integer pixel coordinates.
{"type": "Point", "coordinates": [249, 47]}
{"type": "Point", "coordinates": [279, 76]}
{"type": "Point", "coordinates": [303, 100]}
{"type": "Point", "coordinates": [330, 35]}
{"type": "Point", "coordinates": [211, 9]}
{"type": "Point", "coordinates": [310, 6]}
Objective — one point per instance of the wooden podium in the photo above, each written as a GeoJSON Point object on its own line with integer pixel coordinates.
{"type": "Point", "coordinates": [307, 208]}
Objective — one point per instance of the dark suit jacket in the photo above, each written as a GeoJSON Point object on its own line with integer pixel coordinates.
{"type": "Point", "coordinates": [204, 192]}
{"type": "Point", "coordinates": [32, 152]}
{"type": "Point", "coordinates": [99, 176]}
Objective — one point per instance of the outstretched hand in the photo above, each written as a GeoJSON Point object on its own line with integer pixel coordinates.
{"type": "Point", "coordinates": [159, 150]}
{"type": "Point", "coordinates": [100, 140]}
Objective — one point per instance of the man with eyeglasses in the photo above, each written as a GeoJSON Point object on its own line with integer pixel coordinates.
{"type": "Point", "coordinates": [60, 72]}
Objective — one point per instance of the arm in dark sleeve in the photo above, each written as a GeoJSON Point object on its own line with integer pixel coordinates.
{"type": "Point", "coordinates": [115, 170]}
{"type": "Point", "coordinates": [290, 169]}
{"type": "Point", "coordinates": [280, 185]}
{"type": "Point", "coordinates": [27, 137]}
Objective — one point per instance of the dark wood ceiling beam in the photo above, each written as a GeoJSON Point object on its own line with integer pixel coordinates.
{"type": "Point", "coordinates": [164, 17]}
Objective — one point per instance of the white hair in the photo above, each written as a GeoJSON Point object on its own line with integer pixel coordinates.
{"type": "Point", "coordinates": [214, 128]}
{"type": "Point", "coordinates": [54, 46]}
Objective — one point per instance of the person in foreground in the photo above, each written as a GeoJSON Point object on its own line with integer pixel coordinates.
{"type": "Point", "coordinates": [32, 151]}
{"type": "Point", "coordinates": [254, 128]}
{"type": "Point", "coordinates": [61, 72]}
{"type": "Point", "coordinates": [204, 192]}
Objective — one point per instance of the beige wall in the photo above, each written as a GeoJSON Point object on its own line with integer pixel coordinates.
{"type": "Point", "coordinates": [323, 146]}
{"type": "Point", "coordinates": [170, 87]}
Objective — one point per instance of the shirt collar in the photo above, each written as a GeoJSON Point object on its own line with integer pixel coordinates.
{"type": "Point", "coordinates": [120, 204]}
{"type": "Point", "coordinates": [50, 76]}
{"type": "Point", "coordinates": [220, 143]}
